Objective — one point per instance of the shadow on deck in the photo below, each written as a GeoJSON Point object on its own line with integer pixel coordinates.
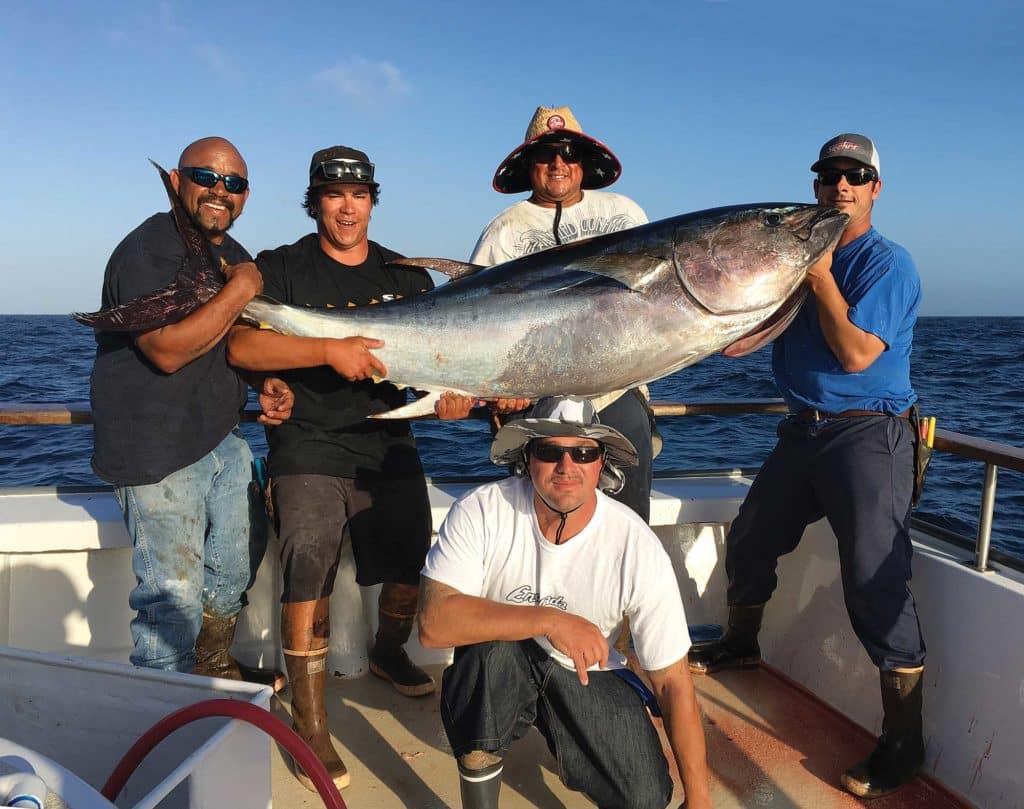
{"type": "Point", "coordinates": [770, 744]}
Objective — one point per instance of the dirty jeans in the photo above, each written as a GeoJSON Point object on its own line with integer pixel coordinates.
{"type": "Point", "coordinates": [600, 734]}
{"type": "Point", "coordinates": [198, 537]}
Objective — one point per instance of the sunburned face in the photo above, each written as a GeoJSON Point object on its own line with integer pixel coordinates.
{"type": "Point", "coordinates": [853, 200]}
{"type": "Point", "coordinates": [343, 219]}
{"type": "Point", "coordinates": [212, 210]}
{"type": "Point", "coordinates": [564, 484]}
{"type": "Point", "coordinates": [556, 181]}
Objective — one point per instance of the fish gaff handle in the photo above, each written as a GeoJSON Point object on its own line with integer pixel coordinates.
{"type": "Point", "coordinates": [22, 790]}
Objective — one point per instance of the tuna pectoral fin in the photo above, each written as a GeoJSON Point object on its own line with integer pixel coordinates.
{"type": "Point", "coordinates": [453, 269]}
{"type": "Point", "coordinates": [629, 269]}
{"type": "Point", "coordinates": [421, 407]}
{"type": "Point", "coordinates": [770, 329]}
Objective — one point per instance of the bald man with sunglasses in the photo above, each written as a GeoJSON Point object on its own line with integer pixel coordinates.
{"type": "Point", "coordinates": [846, 452]}
{"type": "Point", "coordinates": [165, 407]}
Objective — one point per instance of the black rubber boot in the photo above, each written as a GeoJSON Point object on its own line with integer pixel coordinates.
{"type": "Point", "coordinates": [738, 649]}
{"type": "Point", "coordinates": [388, 660]}
{"type": "Point", "coordinates": [900, 750]}
{"type": "Point", "coordinates": [213, 658]}
{"type": "Point", "coordinates": [479, 788]}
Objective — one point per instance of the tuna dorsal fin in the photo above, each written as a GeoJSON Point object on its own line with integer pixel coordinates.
{"type": "Point", "coordinates": [629, 269]}
{"type": "Point", "coordinates": [450, 267]}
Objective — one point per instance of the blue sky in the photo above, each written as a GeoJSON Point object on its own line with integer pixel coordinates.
{"type": "Point", "coordinates": [705, 102]}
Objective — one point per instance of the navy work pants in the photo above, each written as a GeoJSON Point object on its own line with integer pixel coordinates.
{"type": "Point", "coordinates": [857, 472]}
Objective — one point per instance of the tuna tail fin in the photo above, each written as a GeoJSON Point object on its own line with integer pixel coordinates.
{"type": "Point", "coordinates": [197, 282]}
{"type": "Point", "coordinates": [161, 308]}
{"type": "Point", "coordinates": [195, 242]}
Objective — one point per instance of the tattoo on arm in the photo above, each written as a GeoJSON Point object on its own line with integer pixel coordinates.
{"type": "Point", "coordinates": [431, 592]}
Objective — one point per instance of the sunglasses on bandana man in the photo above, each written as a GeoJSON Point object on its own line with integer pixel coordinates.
{"type": "Point", "coordinates": [344, 168]}
{"type": "Point", "coordinates": [547, 153]}
{"type": "Point", "coordinates": [857, 176]}
{"type": "Point", "coordinates": [552, 453]}
{"type": "Point", "coordinates": [208, 178]}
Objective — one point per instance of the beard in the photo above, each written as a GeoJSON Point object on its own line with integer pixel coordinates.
{"type": "Point", "coordinates": [212, 224]}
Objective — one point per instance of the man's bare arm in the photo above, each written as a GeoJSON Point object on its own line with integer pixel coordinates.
{"type": "Point", "coordinates": [448, 617]}
{"type": "Point", "coordinates": [673, 687]}
{"type": "Point", "coordinates": [171, 348]}
{"type": "Point", "coordinates": [855, 348]}
{"type": "Point", "coordinates": [262, 350]}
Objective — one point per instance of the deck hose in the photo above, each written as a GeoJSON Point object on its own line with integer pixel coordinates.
{"type": "Point", "coordinates": [247, 712]}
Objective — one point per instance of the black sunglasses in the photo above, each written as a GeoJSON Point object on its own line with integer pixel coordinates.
{"type": "Point", "coordinates": [344, 168]}
{"type": "Point", "coordinates": [208, 178]}
{"type": "Point", "coordinates": [858, 176]}
{"type": "Point", "coordinates": [548, 152]}
{"type": "Point", "coordinates": [553, 453]}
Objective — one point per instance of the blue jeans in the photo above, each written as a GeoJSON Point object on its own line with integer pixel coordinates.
{"type": "Point", "coordinates": [198, 537]}
{"type": "Point", "coordinates": [600, 734]}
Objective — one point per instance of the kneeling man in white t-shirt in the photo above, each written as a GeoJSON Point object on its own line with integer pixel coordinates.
{"type": "Point", "coordinates": [529, 580]}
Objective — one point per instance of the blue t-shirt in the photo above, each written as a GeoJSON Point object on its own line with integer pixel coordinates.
{"type": "Point", "coordinates": [879, 281]}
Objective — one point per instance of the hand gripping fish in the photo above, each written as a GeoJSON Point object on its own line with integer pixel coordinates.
{"type": "Point", "coordinates": [586, 318]}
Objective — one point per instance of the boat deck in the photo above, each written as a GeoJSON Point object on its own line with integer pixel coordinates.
{"type": "Point", "coordinates": [770, 744]}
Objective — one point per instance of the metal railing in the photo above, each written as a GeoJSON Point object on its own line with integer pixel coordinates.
{"type": "Point", "coordinates": [993, 455]}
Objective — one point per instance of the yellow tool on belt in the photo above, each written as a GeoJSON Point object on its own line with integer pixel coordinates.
{"type": "Point", "coordinates": [927, 427]}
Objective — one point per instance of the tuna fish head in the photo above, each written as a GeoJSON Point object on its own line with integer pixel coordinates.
{"type": "Point", "coordinates": [746, 259]}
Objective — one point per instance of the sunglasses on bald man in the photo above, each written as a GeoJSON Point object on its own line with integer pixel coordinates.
{"type": "Point", "coordinates": [208, 178]}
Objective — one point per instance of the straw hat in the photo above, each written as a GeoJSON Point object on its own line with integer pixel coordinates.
{"type": "Point", "coordinates": [557, 125]}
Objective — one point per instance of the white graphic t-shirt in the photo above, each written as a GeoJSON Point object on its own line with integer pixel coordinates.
{"type": "Point", "coordinates": [491, 546]}
{"type": "Point", "coordinates": [526, 228]}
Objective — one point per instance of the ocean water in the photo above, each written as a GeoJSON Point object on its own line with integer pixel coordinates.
{"type": "Point", "coordinates": [968, 372]}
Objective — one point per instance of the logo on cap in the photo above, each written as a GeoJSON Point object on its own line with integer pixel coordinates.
{"type": "Point", "coordinates": [844, 146]}
{"type": "Point", "coordinates": [556, 122]}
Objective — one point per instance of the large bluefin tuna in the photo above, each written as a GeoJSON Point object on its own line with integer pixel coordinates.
{"type": "Point", "coordinates": [586, 318]}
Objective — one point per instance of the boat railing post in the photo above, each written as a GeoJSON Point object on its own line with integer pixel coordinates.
{"type": "Point", "coordinates": [988, 500]}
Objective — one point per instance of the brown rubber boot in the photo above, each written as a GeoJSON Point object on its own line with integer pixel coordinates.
{"type": "Point", "coordinates": [738, 649]}
{"type": "Point", "coordinates": [307, 673]}
{"type": "Point", "coordinates": [213, 658]}
{"type": "Point", "coordinates": [900, 750]}
{"type": "Point", "coordinates": [212, 645]}
{"type": "Point", "coordinates": [397, 611]}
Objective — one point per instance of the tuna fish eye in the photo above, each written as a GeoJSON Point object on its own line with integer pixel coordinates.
{"type": "Point", "coordinates": [773, 220]}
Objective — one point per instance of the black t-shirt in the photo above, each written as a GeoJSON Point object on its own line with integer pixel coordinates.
{"type": "Point", "coordinates": [329, 432]}
{"type": "Point", "coordinates": [148, 424]}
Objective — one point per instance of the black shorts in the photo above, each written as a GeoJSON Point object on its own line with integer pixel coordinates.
{"type": "Point", "coordinates": [388, 520]}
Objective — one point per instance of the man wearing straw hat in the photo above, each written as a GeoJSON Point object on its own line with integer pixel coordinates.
{"type": "Point", "coordinates": [562, 168]}
{"type": "Point", "coordinates": [530, 579]}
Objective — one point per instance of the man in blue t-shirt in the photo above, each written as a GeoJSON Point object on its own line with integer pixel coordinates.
{"type": "Point", "coordinates": [846, 452]}
{"type": "Point", "coordinates": [165, 406]}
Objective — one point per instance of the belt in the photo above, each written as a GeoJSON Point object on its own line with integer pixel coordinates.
{"type": "Point", "coordinates": [812, 415]}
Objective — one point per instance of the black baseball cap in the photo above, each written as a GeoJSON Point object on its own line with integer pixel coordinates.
{"type": "Point", "coordinates": [341, 164]}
